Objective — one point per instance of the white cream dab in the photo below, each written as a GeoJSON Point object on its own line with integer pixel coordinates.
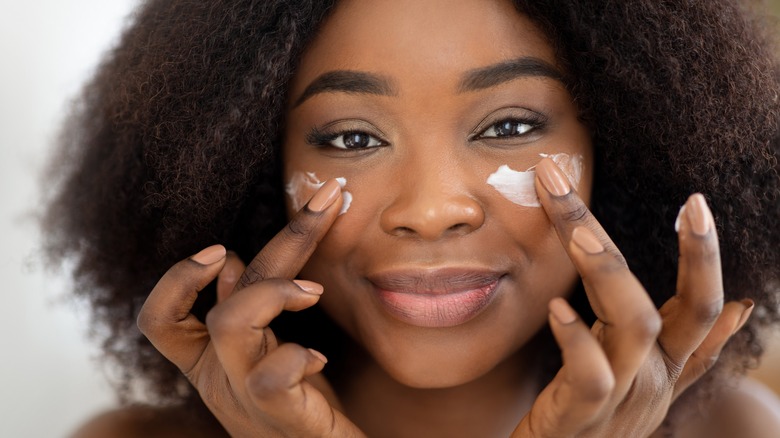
{"type": "Point", "coordinates": [301, 187]}
{"type": "Point", "coordinates": [518, 186]}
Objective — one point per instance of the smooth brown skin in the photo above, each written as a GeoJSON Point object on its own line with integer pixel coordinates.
{"type": "Point", "coordinates": [422, 200]}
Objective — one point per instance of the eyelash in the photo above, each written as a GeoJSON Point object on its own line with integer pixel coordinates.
{"type": "Point", "coordinates": [534, 122]}
{"type": "Point", "coordinates": [325, 139]}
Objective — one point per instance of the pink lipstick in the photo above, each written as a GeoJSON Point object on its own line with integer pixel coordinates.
{"type": "Point", "coordinates": [435, 298]}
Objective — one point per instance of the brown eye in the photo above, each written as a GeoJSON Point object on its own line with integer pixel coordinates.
{"type": "Point", "coordinates": [507, 128]}
{"type": "Point", "coordinates": [354, 140]}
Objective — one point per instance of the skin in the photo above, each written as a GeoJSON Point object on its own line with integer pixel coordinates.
{"type": "Point", "coordinates": [445, 215]}
{"type": "Point", "coordinates": [421, 201]}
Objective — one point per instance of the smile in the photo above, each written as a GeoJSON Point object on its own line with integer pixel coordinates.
{"type": "Point", "coordinates": [437, 298]}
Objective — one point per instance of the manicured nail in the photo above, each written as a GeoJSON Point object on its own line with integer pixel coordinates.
{"type": "Point", "coordinates": [309, 286]}
{"type": "Point", "coordinates": [562, 311]}
{"type": "Point", "coordinates": [699, 215]}
{"type": "Point", "coordinates": [678, 221]}
{"type": "Point", "coordinates": [325, 196]}
{"type": "Point", "coordinates": [210, 255]}
{"type": "Point", "coordinates": [552, 178]}
{"type": "Point", "coordinates": [318, 355]}
{"type": "Point", "coordinates": [750, 305]}
{"type": "Point", "coordinates": [587, 241]}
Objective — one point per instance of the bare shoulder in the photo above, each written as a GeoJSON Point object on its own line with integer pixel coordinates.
{"type": "Point", "coordinates": [747, 409]}
{"type": "Point", "coordinates": [754, 408]}
{"type": "Point", "coordinates": [149, 422]}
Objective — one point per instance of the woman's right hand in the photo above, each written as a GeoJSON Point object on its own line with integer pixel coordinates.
{"type": "Point", "coordinates": [253, 385]}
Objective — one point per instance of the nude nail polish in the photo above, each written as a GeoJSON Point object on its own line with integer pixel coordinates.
{"type": "Point", "coordinates": [587, 241]}
{"type": "Point", "coordinates": [553, 178]}
{"type": "Point", "coordinates": [209, 255]}
{"type": "Point", "coordinates": [318, 355]}
{"type": "Point", "coordinates": [699, 215]}
{"type": "Point", "coordinates": [750, 305]}
{"type": "Point", "coordinates": [678, 221]}
{"type": "Point", "coordinates": [325, 196]}
{"type": "Point", "coordinates": [309, 286]}
{"type": "Point", "coordinates": [562, 311]}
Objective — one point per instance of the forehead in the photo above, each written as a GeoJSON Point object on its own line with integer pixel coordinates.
{"type": "Point", "coordinates": [419, 41]}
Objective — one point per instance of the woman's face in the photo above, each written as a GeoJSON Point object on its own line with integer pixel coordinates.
{"type": "Point", "coordinates": [440, 270]}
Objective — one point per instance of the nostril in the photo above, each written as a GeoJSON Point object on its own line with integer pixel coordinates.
{"type": "Point", "coordinates": [459, 228]}
{"type": "Point", "coordinates": [403, 231]}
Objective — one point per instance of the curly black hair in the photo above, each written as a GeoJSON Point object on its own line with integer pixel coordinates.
{"type": "Point", "coordinates": [174, 146]}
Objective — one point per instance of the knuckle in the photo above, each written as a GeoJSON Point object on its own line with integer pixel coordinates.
{"type": "Point", "coordinates": [255, 271]}
{"type": "Point", "coordinates": [599, 387]}
{"type": "Point", "coordinates": [219, 323]}
{"type": "Point", "coordinates": [300, 229]}
{"type": "Point", "coordinates": [609, 266]}
{"type": "Point", "coordinates": [647, 326]}
{"type": "Point", "coordinates": [146, 322]}
{"type": "Point", "coordinates": [709, 253]}
{"type": "Point", "coordinates": [576, 212]}
{"type": "Point", "coordinates": [708, 312]}
{"type": "Point", "coordinates": [265, 386]}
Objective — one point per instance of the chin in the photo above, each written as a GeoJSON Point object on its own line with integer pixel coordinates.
{"type": "Point", "coordinates": [435, 378]}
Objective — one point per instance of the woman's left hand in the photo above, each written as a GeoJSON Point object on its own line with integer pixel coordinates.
{"type": "Point", "coordinates": [620, 376]}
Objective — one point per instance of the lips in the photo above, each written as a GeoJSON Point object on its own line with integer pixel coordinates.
{"type": "Point", "coordinates": [435, 298]}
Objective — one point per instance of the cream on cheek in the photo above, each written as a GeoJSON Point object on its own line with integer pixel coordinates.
{"type": "Point", "coordinates": [518, 186]}
{"type": "Point", "coordinates": [302, 185]}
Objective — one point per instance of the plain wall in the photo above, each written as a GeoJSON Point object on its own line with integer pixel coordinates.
{"type": "Point", "coordinates": [49, 380]}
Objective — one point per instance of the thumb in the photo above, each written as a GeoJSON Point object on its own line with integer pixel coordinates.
{"type": "Point", "coordinates": [278, 387]}
{"type": "Point", "coordinates": [165, 317]}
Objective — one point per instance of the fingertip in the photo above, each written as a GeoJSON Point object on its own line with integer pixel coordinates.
{"type": "Point", "coordinates": [561, 311]}
{"type": "Point", "coordinates": [321, 357]}
{"type": "Point", "coordinates": [309, 287]}
{"type": "Point", "coordinates": [325, 196]}
{"type": "Point", "coordinates": [553, 178]}
{"type": "Point", "coordinates": [210, 255]}
{"type": "Point", "coordinates": [743, 319]}
{"type": "Point", "coordinates": [699, 215]}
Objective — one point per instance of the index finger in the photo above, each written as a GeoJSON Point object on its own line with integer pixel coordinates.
{"type": "Point", "coordinates": [565, 208]}
{"type": "Point", "coordinates": [285, 255]}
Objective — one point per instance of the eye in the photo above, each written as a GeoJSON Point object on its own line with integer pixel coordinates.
{"type": "Point", "coordinates": [508, 128]}
{"type": "Point", "coordinates": [353, 140]}
{"type": "Point", "coordinates": [344, 139]}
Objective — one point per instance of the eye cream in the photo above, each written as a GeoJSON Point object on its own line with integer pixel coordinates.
{"type": "Point", "coordinates": [518, 186]}
{"type": "Point", "coordinates": [302, 186]}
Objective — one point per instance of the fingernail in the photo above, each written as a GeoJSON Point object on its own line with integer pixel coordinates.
{"type": "Point", "coordinates": [561, 311]}
{"type": "Point", "coordinates": [678, 221]}
{"type": "Point", "coordinates": [585, 239]}
{"type": "Point", "coordinates": [309, 286]}
{"type": "Point", "coordinates": [325, 196]}
{"type": "Point", "coordinates": [209, 255]}
{"type": "Point", "coordinates": [552, 178]}
{"type": "Point", "coordinates": [699, 215]}
{"type": "Point", "coordinates": [750, 305]}
{"type": "Point", "coordinates": [318, 355]}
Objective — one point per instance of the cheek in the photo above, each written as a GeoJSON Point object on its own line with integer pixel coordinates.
{"type": "Point", "coordinates": [518, 186]}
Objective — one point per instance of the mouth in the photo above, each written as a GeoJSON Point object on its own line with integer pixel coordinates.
{"type": "Point", "coordinates": [438, 297]}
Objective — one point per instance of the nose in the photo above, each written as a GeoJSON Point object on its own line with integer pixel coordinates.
{"type": "Point", "coordinates": [431, 206]}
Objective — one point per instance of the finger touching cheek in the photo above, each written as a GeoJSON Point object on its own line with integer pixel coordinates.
{"type": "Point", "coordinates": [301, 186]}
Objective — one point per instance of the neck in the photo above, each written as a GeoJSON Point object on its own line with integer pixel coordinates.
{"type": "Point", "coordinates": [491, 405]}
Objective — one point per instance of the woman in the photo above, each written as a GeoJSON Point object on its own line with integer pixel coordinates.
{"type": "Point", "coordinates": [438, 163]}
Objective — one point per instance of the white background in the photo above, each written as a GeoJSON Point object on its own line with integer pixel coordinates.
{"type": "Point", "coordinates": [50, 380]}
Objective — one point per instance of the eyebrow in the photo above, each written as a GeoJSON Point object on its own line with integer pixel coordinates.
{"type": "Point", "coordinates": [347, 81]}
{"type": "Point", "coordinates": [358, 82]}
{"type": "Point", "coordinates": [496, 74]}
